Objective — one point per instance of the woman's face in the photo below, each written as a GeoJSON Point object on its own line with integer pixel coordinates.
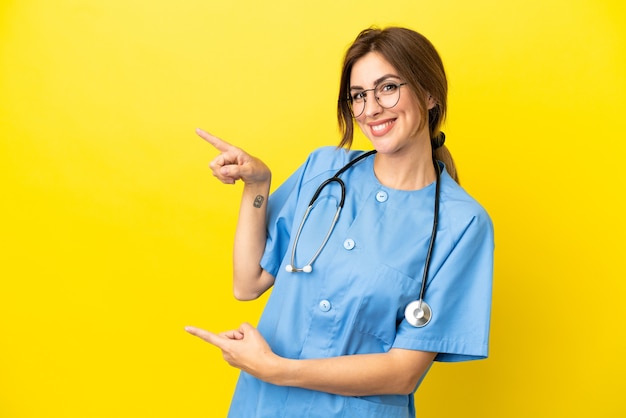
{"type": "Point", "coordinates": [393, 129]}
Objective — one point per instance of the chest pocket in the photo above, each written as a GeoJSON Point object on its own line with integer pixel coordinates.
{"type": "Point", "coordinates": [387, 292]}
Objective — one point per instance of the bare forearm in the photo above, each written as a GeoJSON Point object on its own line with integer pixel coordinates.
{"type": "Point", "coordinates": [231, 165]}
{"type": "Point", "coordinates": [395, 372]}
{"type": "Point", "coordinates": [249, 280]}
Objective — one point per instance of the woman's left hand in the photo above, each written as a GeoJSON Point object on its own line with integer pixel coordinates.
{"type": "Point", "coordinates": [244, 348]}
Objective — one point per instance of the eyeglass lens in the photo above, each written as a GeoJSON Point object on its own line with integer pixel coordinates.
{"type": "Point", "coordinates": [387, 95]}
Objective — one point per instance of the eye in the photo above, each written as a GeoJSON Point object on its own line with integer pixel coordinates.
{"type": "Point", "coordinates": [358, 96]}
{"type": "Point", "coordinates": [388, 88]}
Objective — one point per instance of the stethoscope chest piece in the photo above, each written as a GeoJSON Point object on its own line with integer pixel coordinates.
{"type": "Point", "coordinates": [418, 313]}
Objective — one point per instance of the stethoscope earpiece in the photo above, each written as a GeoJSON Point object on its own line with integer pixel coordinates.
{"type": "Point", "coordinates": [334, 179]}
{"type": "Point", "coordinates": [292, 269]}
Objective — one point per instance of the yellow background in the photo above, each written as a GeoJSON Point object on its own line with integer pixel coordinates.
{"type": "Point", "coordinates": [114, 234]}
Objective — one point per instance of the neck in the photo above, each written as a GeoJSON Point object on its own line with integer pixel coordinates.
{"type": "Point", "coordinates": [405, 172]}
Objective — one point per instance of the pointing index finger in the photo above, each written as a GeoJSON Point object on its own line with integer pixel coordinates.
{"type": "Point", "coordinates": [219, 144]}
{"type": "Point", "coordinates": [207, 336]}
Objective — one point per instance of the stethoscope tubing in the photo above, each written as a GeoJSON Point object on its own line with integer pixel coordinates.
{"type": "Point", "coordinates": [334, 179]}
{"type": "Point", "coordinates": [418, 313]}
{"type": "Point", "coordinates": [433, 234]}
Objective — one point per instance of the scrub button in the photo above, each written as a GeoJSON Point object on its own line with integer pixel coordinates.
{"type": "Point", "coordinates": [348, 244]}
{"type": "Point", "coordinates": [324, 306]}
{"type": "Point", "coordinates": [382, 196]}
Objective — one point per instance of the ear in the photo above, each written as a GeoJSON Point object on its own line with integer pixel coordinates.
{"type": "Point", "coordinates": [431, 102]}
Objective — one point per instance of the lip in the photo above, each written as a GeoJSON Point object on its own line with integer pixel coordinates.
{"type": "Point", "coordinates": [381, 127]}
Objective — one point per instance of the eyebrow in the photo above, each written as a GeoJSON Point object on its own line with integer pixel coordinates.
{"type": "Point", "coordinates": [377, 81]}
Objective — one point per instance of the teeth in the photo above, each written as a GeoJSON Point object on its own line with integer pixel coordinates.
{"type": "Point", "coordinates": [377, 128]}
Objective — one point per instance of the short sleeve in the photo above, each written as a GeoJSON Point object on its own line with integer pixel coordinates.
{"type": "Point", "coordinates": [459, 295]}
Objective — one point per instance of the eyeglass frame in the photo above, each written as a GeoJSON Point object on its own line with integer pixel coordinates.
{"type": "Point", "coordinates": [350, 100]}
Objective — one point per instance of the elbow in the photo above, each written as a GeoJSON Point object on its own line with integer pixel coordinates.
{"type": "Point", "coordinates": [409, 384]}
{"type": "Point", "coordinates": [407, 389]}
{"type": "Point", "coordinates": [244, 295]}
{"type": "Point", "coordinates": [404, 387]}
{"type": "Point", "coordinates": [245, 288]}
{"type": "Point", "coordinates": [408, 368]}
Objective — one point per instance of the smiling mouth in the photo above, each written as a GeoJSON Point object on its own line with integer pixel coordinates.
{"type": "Point", "coordinates": [382, 127]}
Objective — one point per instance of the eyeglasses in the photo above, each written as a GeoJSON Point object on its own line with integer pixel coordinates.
{"type": "Point", "coordinates": [387, 96]}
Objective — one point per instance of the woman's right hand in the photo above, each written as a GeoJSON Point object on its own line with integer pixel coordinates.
{"type": "Point", "coordinates": [234, 164]}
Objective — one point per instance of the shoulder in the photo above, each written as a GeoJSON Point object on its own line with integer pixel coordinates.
{"type": "Point", "coordinates": [330, 155]}
{"type": "Point", "coordinates": [460, 208]}
{"type": "Point", "coordinates": [326, 160]}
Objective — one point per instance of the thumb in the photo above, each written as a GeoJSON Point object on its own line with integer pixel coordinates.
{"type": "Point", "coordinates": [246, 328]}
{"type": "Point", "coordinates": [232, 171]}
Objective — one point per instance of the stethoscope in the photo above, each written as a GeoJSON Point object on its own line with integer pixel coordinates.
{"type": "Point", "coordinates": [418, 312]}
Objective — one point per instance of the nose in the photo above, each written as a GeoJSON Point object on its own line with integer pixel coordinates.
{"type": "Point", "coordinates": [372, 107]}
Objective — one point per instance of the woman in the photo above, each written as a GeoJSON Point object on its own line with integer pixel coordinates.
{"type": "Point", "coordinates": [333, 339]}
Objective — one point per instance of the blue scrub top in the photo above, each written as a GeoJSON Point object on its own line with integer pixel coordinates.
{"type": "Point", "coordinates": [354, 299]}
